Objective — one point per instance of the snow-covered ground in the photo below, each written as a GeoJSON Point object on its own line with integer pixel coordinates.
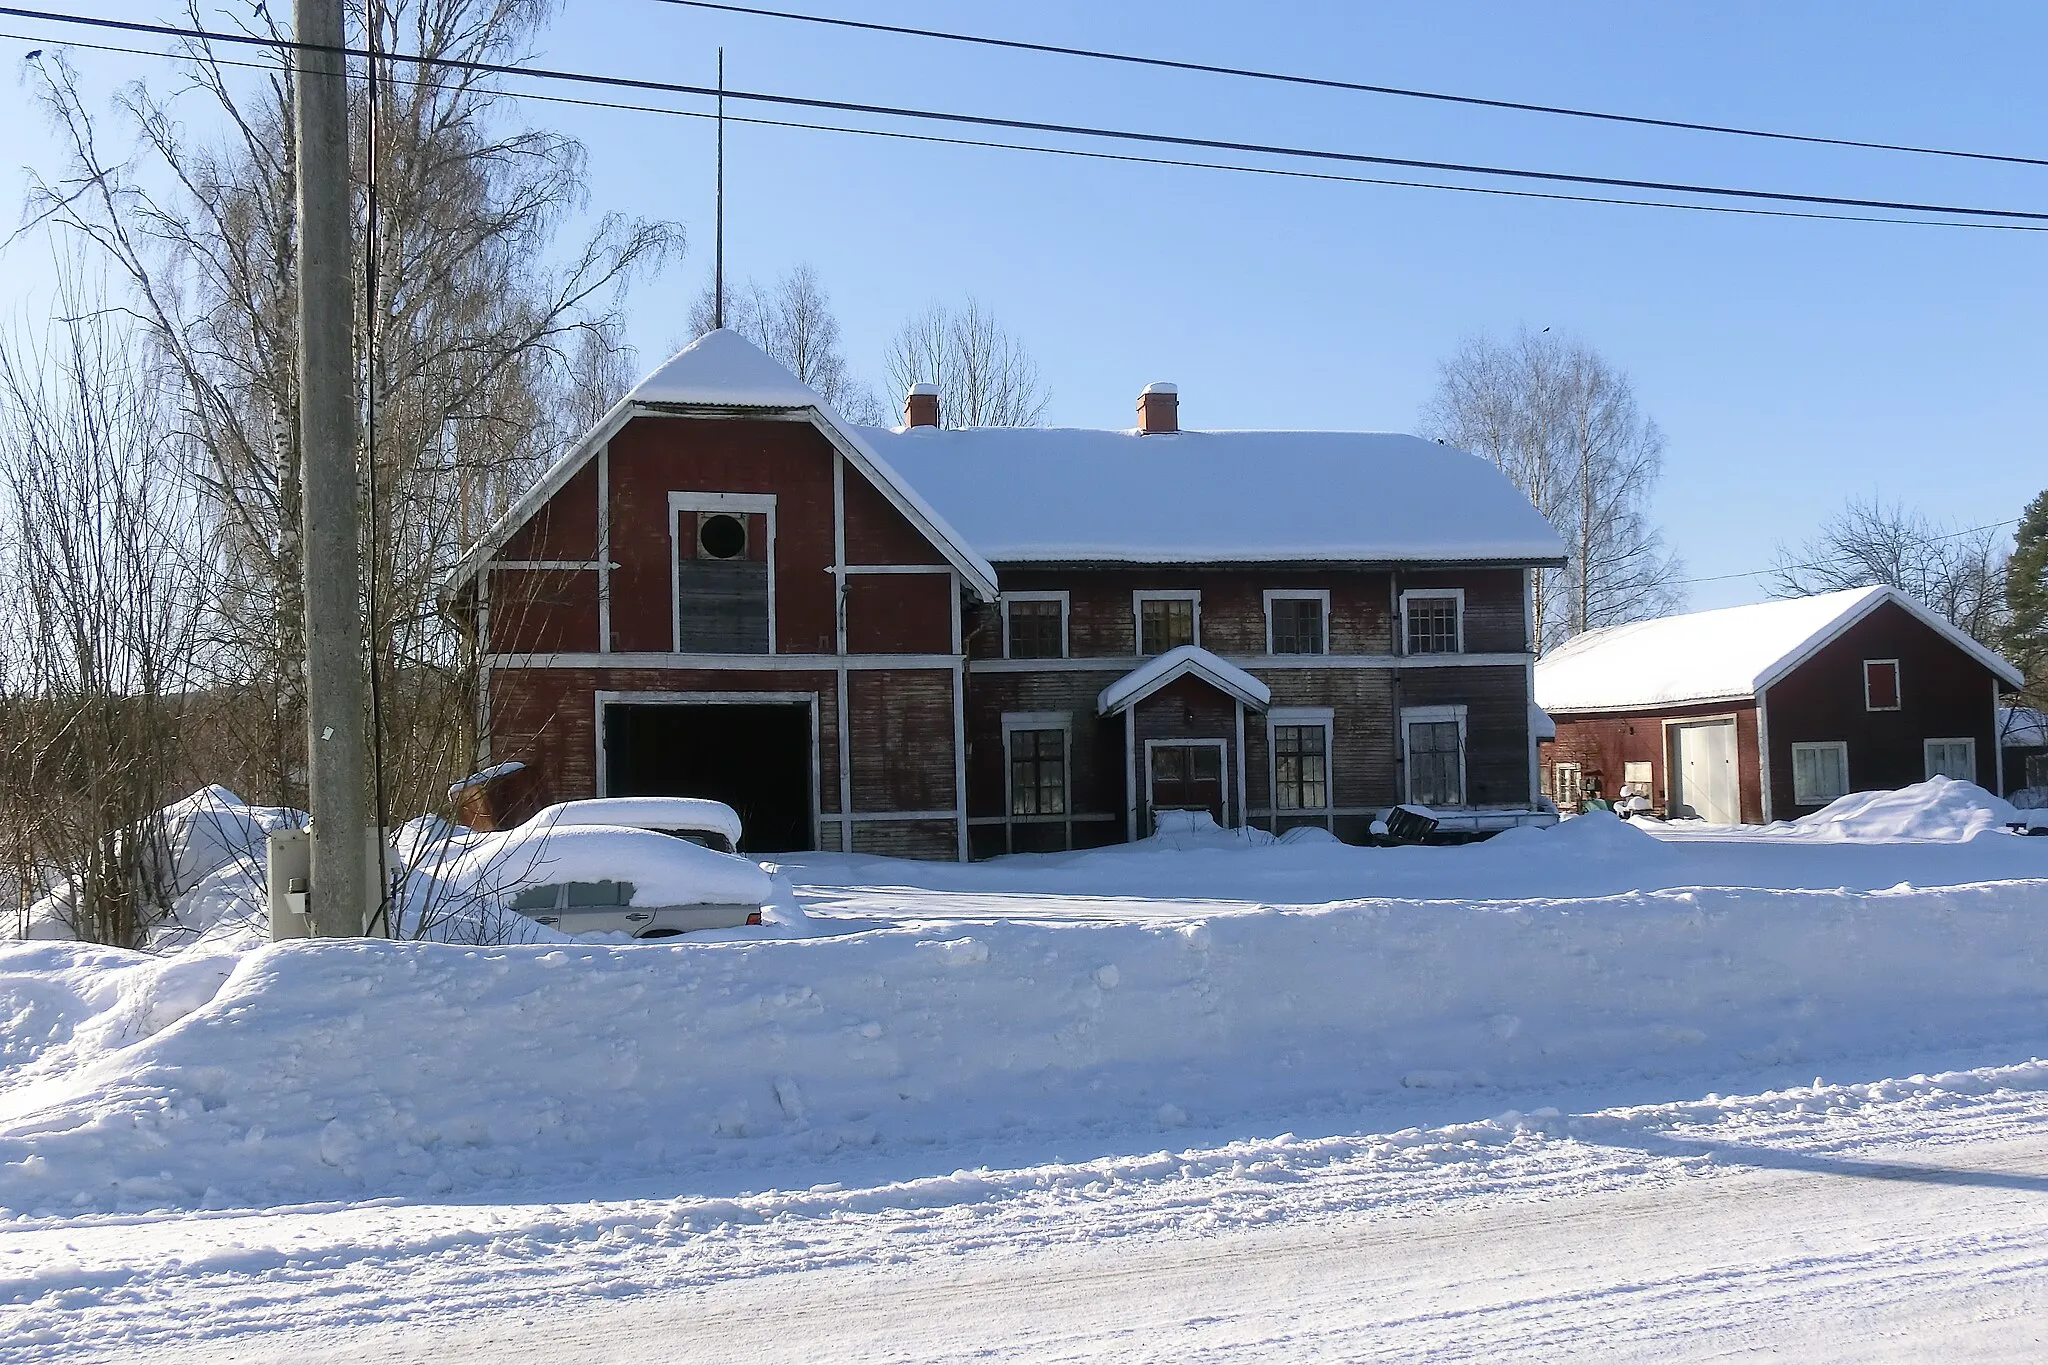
{"type": "Point", "coordinates": [1203, 1098]}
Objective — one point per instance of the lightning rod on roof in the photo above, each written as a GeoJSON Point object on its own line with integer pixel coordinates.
{"type": "Point", "coordinates": [718, 211]}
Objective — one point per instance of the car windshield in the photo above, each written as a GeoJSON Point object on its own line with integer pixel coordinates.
{"type": "Point", "coordinates": [703, 838]}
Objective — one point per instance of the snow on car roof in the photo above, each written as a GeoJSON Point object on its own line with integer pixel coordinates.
{"type": "Point", "coordinates": [1053, 494]}
{"type": "Point", "coordinates": [662, 870]}
{"type": "Point", "coordinates": [1722, 655]}
{"type": "Point", "coordinates": [644, 812]}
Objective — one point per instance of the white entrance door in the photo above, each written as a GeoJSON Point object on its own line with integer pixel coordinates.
{"type": "Point", "coordinates": [1704, 764]}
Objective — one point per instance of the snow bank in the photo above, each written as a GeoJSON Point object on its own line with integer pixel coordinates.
{"type": "Point", "coordinates": [343, 1069]}
{"type": "Point", "coordinates": [1939, 810]}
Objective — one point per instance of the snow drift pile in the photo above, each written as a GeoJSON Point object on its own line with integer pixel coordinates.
{"type": "Point", "coordinates": [1939, 810]}
{"type": "Point", "coordinates": [332, 1070]}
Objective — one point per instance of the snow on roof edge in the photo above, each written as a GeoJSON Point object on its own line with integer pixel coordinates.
{"type": "Point", "coordinates": [1148, 677]}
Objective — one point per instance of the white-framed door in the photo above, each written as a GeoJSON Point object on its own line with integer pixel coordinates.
{"type": "Point", "coordinates": [1704, 778]}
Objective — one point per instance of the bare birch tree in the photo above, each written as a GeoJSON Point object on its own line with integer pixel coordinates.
{"type": "Point", "coordinates": [792, 320]}
{"type": "Point", "coordinates": [107, 578]}
{"type": "Point", "coordinates": [986, 377]}
{"type": "Point", "coordinates": [486, 324]}
{"type": "Point", "coordinates": [1564, 425]}
{"type": "Point", "coordinates": [1960, 574]}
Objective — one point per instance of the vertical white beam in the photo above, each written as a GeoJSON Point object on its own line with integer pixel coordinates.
{"type": "Point", "coordinates": [604, 550]}
{"type": "Point", "coordinates": [839, 618]}
{"type": "Point", "coordinates": [1130, 776]}
{"type": "Point", "coordinates": [1239, 765]}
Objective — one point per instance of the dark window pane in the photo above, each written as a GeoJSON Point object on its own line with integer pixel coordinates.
{"type": "Point", "coordinates": [1434, 763]}
{"type": "Point", "coordinates": [1297, 625]}
{"type": "Point", "coordinates": [1205, 763]}
{"type": "Point", "coordinates": [1300, 773]}
{"type": "Point", "coordinates": [1432, 625]}
{"type": "Point", "coordinates": [1035, 630]}
{"type": "Point", "coordinates": [1038, 772]}
{"type": "Point", "coordinates": [1165, 625]}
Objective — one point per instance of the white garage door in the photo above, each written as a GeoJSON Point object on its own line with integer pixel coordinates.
{"type": "Point", "coordinates": [1704, 766]}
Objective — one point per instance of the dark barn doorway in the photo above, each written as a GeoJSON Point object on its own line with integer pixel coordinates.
{"type": "Point", "coordinates": [755, 757]}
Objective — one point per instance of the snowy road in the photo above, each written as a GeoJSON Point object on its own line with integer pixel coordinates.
{"type": "Point", "coordinates": [1894, 1220]}
{"type": "Point", "coordinates": [1842, 1261]}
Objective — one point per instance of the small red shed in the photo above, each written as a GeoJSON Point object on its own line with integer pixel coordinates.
{"type": "Point", "coordinates": [1768, 712]}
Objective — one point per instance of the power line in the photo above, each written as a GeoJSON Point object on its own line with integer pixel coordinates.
{"type": "Point", "coordinates": [1329, 83]}
{"type": "Point", "coordinates": [1837, 563]}
{"type": "Point", "coordinates": [1126, 158]}
{"type": "Point", "coordinates": [1039, 126]}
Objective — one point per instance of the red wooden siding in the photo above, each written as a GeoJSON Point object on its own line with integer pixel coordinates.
{"type": "Point", "coordinates": [899, 613]}
{"type": "Point", "coordinates": [1943, 694]}
{"type": "Point", "coordinates": [1603, 745]}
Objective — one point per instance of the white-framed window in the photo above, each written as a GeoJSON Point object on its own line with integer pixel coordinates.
{"type": "Point", "coordinates": [1955, 758]}
{"type": "Point", "coordinates": [1038, 751]}
{"type": "Point", "coordinates": [1297, 620]}
{"type": "Point", "coordinates": [1567, 787]}
{"type": "Point", "coordinates": [1035, 625]}
{"type": "Point", "coordinates": [1636, 775]}
{"type": "Point", "coordinates": [1299, 740]}
{"type": "Point", "coordinates": [1433, 753]}
{"type": "Point", "coordinates": [1880, 684]}
{"type": "Point", "coordinates": [722, 572]}
{"type": "Point", "coordinates": [1433, 621]}
{"type": "Point", "coordinates": [1166, 619]}
{"type": "Point", "coordinates": [1820, 772]}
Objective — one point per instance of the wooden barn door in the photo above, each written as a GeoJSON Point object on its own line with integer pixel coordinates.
{"type": "Point", "coordinates": [1703, 762]}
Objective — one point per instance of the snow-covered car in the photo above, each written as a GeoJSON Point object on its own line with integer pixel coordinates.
{"type": "Point", "coordinates": [712, 824]}
{"type": "Point", "coordinates": [617, 879]}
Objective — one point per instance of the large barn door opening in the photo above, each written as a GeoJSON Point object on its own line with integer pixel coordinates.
{"type": "Point", "coordinates": [1703, 764]}
{"type": "Point", "coordinates": [755, 757]}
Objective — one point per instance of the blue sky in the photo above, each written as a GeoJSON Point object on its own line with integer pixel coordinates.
{"type": "Point", "coordinates": [1790, 363]}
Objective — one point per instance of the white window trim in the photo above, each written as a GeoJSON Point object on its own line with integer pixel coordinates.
{"type": "Point", "coordinates": [1144, 595]}
{"type": "Point", "coordinates": [1298, 595]}
{"type": "Point", "coordinates": [736, 503]}
{"type": "Point", "coordinates": [1066, 609]}
{"type": "Point", "coordinates": [1927, 758]}
{"type": "Point", "coordinates": [1305, 717]}
{"type": "Point", "coordinates": [1898, 685]}
{"type": "Point", "coordinates": [1062, 721]}
{"type": "Point", "coordinates": [1799, 798]}
{"type": "Point", "coordinates": [1557, 772]}
{"type": "Point", "coordinates": [1456, 595]}
{"type": "Point", "coordinates": [1222, 747]}
{"type": "Point", "coordinates": [1421, 715]}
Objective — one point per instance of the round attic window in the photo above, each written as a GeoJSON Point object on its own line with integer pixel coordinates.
{"type": "Point", "coordinates": [722, 537]}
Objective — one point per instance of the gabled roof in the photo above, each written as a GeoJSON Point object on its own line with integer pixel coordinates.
{"type": "Point", "coordinates": [1727, 655]}
{"type": "Point", "coordinates": [717, 372]}
{"type": "Point", "coordinates": [1188, 660]}
{"type": "Point", "coordinates": [1052, 494]}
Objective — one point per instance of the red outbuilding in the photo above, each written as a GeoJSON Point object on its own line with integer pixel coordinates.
{"type": "Point", "coordinates": [1769, 712]}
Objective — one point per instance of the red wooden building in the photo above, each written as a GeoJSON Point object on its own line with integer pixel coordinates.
{"type": "Point", "coordinates": [1769, 712]}
{"type": "Point", "coordinates": [953, 643]}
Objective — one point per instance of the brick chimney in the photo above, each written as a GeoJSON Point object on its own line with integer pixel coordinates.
{"type": "Point", "coordinates": [1159, 410]}
{"type": "Point", "coordinates": [921, 406]}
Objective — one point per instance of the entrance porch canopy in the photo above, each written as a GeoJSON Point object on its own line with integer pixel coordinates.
{"type": "Point", "coordinates": [1149, 677]}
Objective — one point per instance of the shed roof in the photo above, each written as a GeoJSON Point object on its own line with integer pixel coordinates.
{"type": "Point", "coordinates": [1064, 494]}
{"type": "Point", "coordinates": [1725, 655]}
{"type": "Point", "coordinates": [1187, 660]}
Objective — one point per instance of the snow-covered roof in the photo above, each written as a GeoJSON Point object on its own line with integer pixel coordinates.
{"type": "Point", "coordinates": [2022, 727]}
{"type": "Point", "coordinates": [1148, 677]}
{"type": "Point", "coordinates": [724, 369]}
{"type": "Point", "coordinates": [1052, 494]}
{"type": "Point", "coordinates": [1725, 655]}
{"type": "Point", "coordinates": [721, 370]}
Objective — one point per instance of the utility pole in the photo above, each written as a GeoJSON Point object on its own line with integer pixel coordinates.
{"type": "Point", "coordinates": [718, 211]}
{"type": "Point", "coordinates": [337, 784]}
